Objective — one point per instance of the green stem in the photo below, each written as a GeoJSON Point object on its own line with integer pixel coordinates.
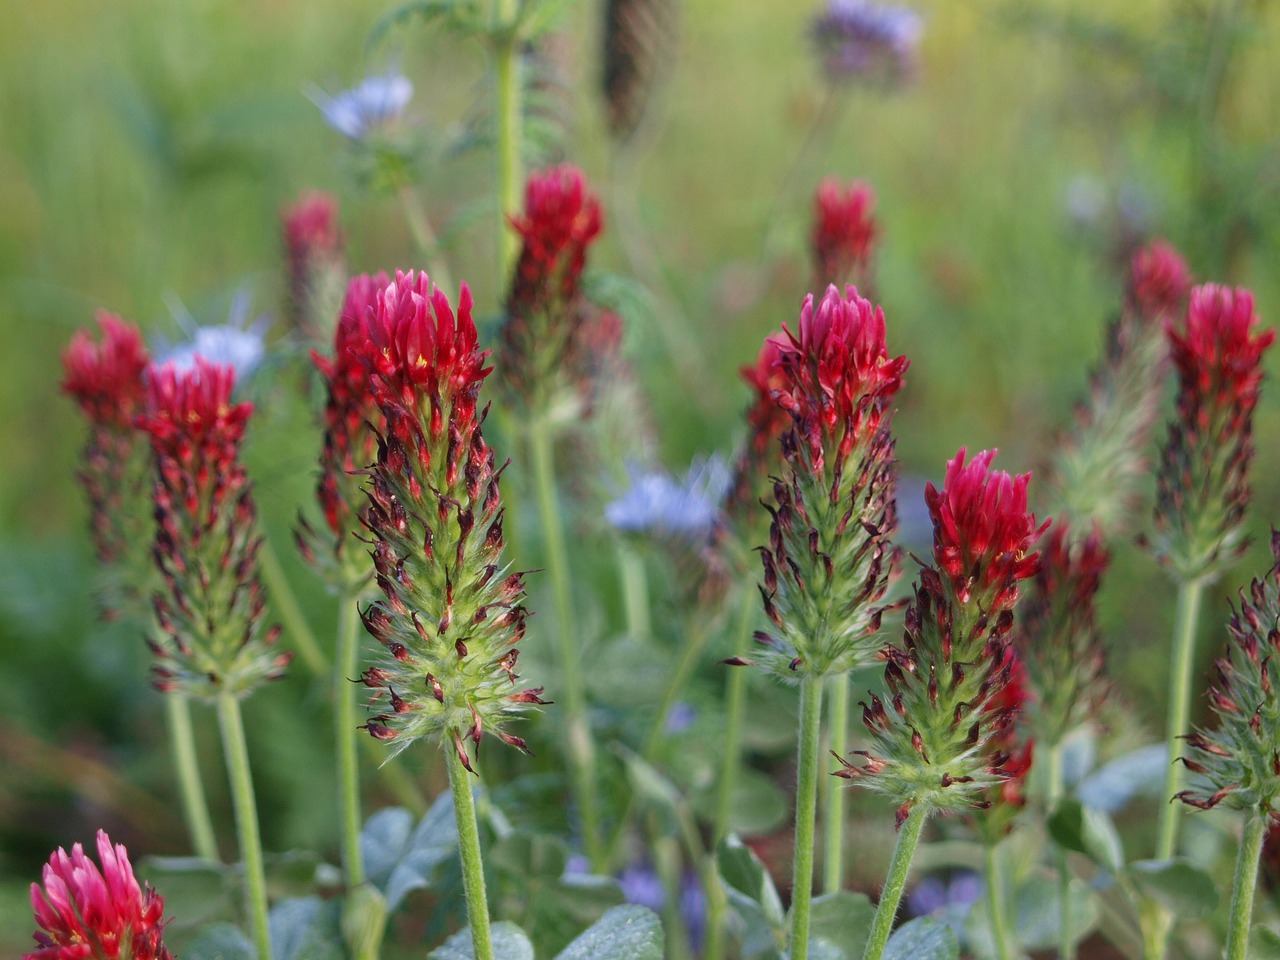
{"type": "Point", "coordinates": [424, 237]}
{"type": "Point", "coordinates": [666, 856]}
{"type": "Point", "coordinates": [895, 882]}
{"type": "Point", "coordinates": [690, 654]}
{"type": "Point", "coordinates": [195, 808]}
{"type": "Point", "coordinates": [464, 811]}
{"type": "Point", "coordinates": [1184, 645]}
{"type": "Point", "coordinates": [582, 752]}
{"type": "Point", "coordinates": [1053, 794]}
{"type": "Point", "coordinates": [833, 805]}
{"type": "Point", "coordinates": [995, 903]}
{"type": "Point", "coordinates": [286, 604]}
{"type": "Point", "coordinates": [635, 591]}
{"type": "Point", "coordinates": [735, 715]}
{"type": "Point", "coordinates": [806, 812]}
{"type": "Point", "coordinates": [1255, 832]}
{"type": "Point", "coordinates": [231, 725]}
{"type": "Point", "coordinates": [505, 64]}
{"type": "Point", "coordinates": [344, 714]}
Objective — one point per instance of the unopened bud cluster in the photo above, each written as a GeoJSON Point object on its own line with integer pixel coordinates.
{"type": "Point", "coordinates": [450, 614]}
{"type": "Point", "coordinates": [1203, 481]}
{"type": "Point", "coordinates": [1238, 761]}
{"type": "Point", "coordinates": [938, 738]}
{"type": "Point", "coordinates": [828, 559]}
{"type": "Point", "coordinates": [209, 609]}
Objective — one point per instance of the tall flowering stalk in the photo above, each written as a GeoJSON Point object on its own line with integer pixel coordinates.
{"type": "Point", "coordinates": [450, 615]}
{"type": "Point", "coordinates": [209, 643]}
{"type": "Point", "coordinates": [1203, 480]}
{"type": "Point", "coordinates": [351, 419]}
{"type": "Point", "coordinates": [538, 359]}
{"type": "Point", "coordinates": [936, 741]}
{"type": "Point", "coordinates": [828, 559]}
{"type": "Point", "coordinates": [315, 258]}
{"type": "Point", "coordinates": [107, 381]}
{"type": "Point", "coordinates": [844, 233]}
{"type": "Point", "coordinates": [87, 912]}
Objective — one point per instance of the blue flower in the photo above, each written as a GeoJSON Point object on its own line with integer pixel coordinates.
{"type": "Point", "coordinates": [658, 503]}
{"type": "Point", "coordinates": [862, 38]}
{"type": "Point", "coordinates": [236, 343]}
{"type": "Point", "coordinates": [375, 101]}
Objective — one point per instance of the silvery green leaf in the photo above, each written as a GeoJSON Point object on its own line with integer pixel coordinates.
{"type": "Point", "coordinates": [1138, 773]}
{"type": "Point", "coordinates": [222, 941]}
{"type": "Point", "coordinates": [628, 932]}
{"type": "Point", "coordinates": [922, 939]}
{"type": "Point", "coordinates": [509, 943]}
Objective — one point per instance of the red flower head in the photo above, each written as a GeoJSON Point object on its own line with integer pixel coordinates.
{"type": "Point", "coordinates": [89, 914]}
{"type": "Point", "coordinates": [206, 542]}
{"type": "Point", "coordinates": [839, 378]}
{"type": "Point", "coordinates": [105, 378]}
{"type": "Point", "coordinates": [1203, 481]}
{"type": "Point", "coordinates": [1158, 280]}
{"type": "Point", "coordinates": [844, 231]}
{"type": "Point", "coordinates": [314, 254]}
{"type": "Point", "coordinates": [766, 422]}
{"type": "Point", "coordinates": [349, 444]}
{"type": "Point", "coordinates": [1012, 752]}
{"type": "Point", "coordinates": [560, 221]}
{"type": "Point", "coordinates": [982, 532]}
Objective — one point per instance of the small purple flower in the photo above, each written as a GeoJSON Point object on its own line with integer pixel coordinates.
{"type": "Point", "coordinates": [238, 343]}
{"type": "Point", "coordinates": [372, 103]}
{"type": "Point", "coordinates": [680, 717]}
{"type": "Point", "coordinates": [862, 39]}
{"type": "Point", "coordinates": [656, 502]}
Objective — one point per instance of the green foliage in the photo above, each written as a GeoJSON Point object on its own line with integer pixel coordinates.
{"type": "Point", "coordinates": [624, 933]}
{"type": "Point", "coordinates": [1091, 832]}
{"type": "Point", "coordinates": [508, 941]}
{"type": "Point", "coordinates": [400, 858]}
{"type": "Point", "coordinates": [307, 929]}
{"type": "Point", "coordinates": [221, 941]}
{"type": "Point", "coordinates": [922, 939]}
{"type": "Point", "coordinates": [1182, 887]}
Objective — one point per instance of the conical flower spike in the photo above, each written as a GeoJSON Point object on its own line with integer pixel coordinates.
{"type": "Point", "coordinates": [451, 613]}
{"type": "Point", "coordinates": [105, 380]}
{"type": "Point", "coordinates": [545, 309]}
{"type": "Point", "coordinates": [1099, 465]}
{"type": "Point", "coordinates": [87, 913]}
{"type": "Point", "coordinates": [1237, 763]}
{"type": "Point", "coordinates": [316, 260]}
{"type": "Point", "coordinates": [209, 610]}
{"type": "Point", "coordinates": [828, 559]}
{"type": "Point", "coordinates": [351, 418]}
{"type": "Point", "coordinates": [1010, 751]}
{"type": "Point", "coordinates": [1057, 633]}
{"type": "Point", "coordinates": [1203, 482]}
{"type": "Point", "coordinates": [936, 739]}
{"type": "Point", "coordinates": [844, 233]}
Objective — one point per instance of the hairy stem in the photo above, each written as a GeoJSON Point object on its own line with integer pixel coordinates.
{"type": "Point", "coordinates": [833, 792]}
{"type": "Point", "coordinates": [195, 808]}
{"type": "Point", "coordinates": [344, 713]}
{"type": "Point", "coordinates": [806, 812]}
{"type": "Point", "coordinates": [504, 63]}
{"type": "Point", "coordinates": [1255, 832]}
{"type": "Point", "coordinates": [464, 811]}
{"type": "Point", "coordinates": [1184, 646]}
{"type": "Point", "coordinates": [995, 903]}
{"type": "Point", "coordinates": [895, 882]}
{"type": "Point", "coordinates": [231, 725]}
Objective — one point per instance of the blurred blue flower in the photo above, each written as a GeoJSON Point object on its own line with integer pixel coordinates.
{"type": "Point", "coordinates": [656, 502]}
{"type": "Point", "coordinates": [236, 343]}
{"type": "Point", "coordinates": [641, 885]}
{"type": "Point", "coordinates": [374, 101]}
{"type": "Point", "coordinates": [680, 717]}
{"type": "Point", "coordinates": [862, 38]}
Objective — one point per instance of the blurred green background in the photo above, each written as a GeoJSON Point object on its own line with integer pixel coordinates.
{"type": "Point", "coordinates": [146, 149]}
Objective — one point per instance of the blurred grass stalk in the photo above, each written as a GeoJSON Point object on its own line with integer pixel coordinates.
{"type": "Point", "coordinates": [195, 806]}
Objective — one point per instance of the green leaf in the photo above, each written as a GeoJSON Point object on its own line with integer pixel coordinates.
{"type": "Point", "coordinates": [306, 928]}
{"type": "Point", "coordinates": [843, 919]}
{"type": "Point", "coordinates": [1088, 831]}
{"type": "Point", "coordinates": [1037, 919]}
{"type": "Point", "coordinates": [1184, 888]}
{"type": "Point", "coordinates": [756, 806]}
{"type": "Point", "coordinates": [1140, 772]}
{"type": "Point", "coordinates": [628, 932]}
{"type": "Point", "coordinates": [922, 939]}
{"type": "Point", "coordinates": [746, 877]}
{"type": "Point", "coordinates": [653, 791]}
{"type": "Point", "coordinates": [509, 942]}
{"type": "Point", "coordinates": [398, 862]}
{"type": "Point", "coordinates": [1264, 944]}
{"type": "Point", "coordinates": [222, 941]}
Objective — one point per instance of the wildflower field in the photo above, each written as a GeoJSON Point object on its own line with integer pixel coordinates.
{"type": "Point", "coordinates": [519, 479]}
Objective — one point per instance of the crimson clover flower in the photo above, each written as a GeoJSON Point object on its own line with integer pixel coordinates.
{"type": "Point", "coordinates": [828, 559]}
{"type": "Point", "coordinates": [351, 419]}
{"type": "Point", "coordinates": [1203, 480]}
{"type": "Point", "coordinates": [1238, 761]}
{"type": "Point", "coordinates": [209, 613]}
{"type": "Point", "coordinates": [540, 349]}
{"type": "Point", "coordinates": [87, 913]}
{"type": "Point", "coordinates": [315, 261]}
{"type": "Point", "coordinates": [1057, 634]}
{"type": "Point", "coordinates": [451, 614]}
{"type": "Point", "coordinates": [766, 422]}
{"type": "Point", "coordinates": [844, 232]}
{"type": "Point", "coordinates": [1011, 750]}
{"type": "Point", "coordinates": [937, 741]}
{"type": "Point", "coordinates": [1099, 466]}
{"type": "Point", "coordinates": [105, 378]}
